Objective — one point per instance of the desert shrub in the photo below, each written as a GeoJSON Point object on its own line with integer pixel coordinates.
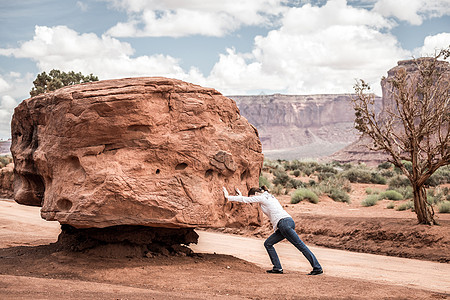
{"type": "Point", "coordinates": [391, 195]}
{"type": "Point", "coordinates": [325, 176]}
{"type": "Point", "coordinates": [281, 177]}
{"type": "Point", "coordinates": [277, 189]}
{"type": "Point", "coordinates": [302, 194]}
{"type": "Point", "coordinates": [384, 166]}
{"type": "Point", "coordinates": [295, 183]}
{"type": "Point", "coordinates": [264, 181]}
{"type": "Point", "coordinates": [387, 173]}
{"type": "Point", "coordinates": [336, 188]}
{"type": "Point", "coordinates": [357, 175]}
{"type": "Point", "coordinates": [339, 195]}
{"type": "Point", "coordinates": [444, 207]}
{"type": "Point", "coordinates": [362, 175]}
{"type": "Point", "coordinates": [404, 206]}
{"type": "Point", "coordinates": [377, 178]}
{"type": "Point", "coordinates": [296, 173]}
{"type": "Point", "coordinates": [390, 205]}
{"type": "Point", "coordinates": [370, 191]}
{"type": "Point", "coordinates": [325, 169]}
{"type": "Point", "coordinates": [5, 160]}
{"type": "Point", "coordinates": [441, 176]}
{"type": "Point", "coordinates": [370, 200]}
{"type": "Point", "coordinates": [398, 181]}
{"type": "Point", "coordinates": [406, 191]}
{"type": "Point", "coordinates": [406, 164]}
{"type": "Point", "coordinates": [308, 171]}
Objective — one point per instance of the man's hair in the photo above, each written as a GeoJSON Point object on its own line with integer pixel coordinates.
{"type": "Point", "coordinates": [254, 190]}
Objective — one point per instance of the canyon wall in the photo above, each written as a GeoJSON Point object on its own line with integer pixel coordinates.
{"type": "Point", "coordinates": [301, 126]}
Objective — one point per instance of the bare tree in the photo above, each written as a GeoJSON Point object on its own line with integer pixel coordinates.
{"type": "Point", "coordinates": [414, 123]}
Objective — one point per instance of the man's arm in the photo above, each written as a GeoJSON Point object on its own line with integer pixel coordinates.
{"type": "Point", "coordinates": [241, 198]}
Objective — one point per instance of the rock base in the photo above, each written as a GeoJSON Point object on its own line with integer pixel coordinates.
{"type": "Point", "coordinates": [128, 241]}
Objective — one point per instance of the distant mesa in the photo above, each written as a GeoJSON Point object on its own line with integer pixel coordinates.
{"type": "Point", "coordinates": [301, 126]}
{"type": "Point", "coordinates": [146, 152]}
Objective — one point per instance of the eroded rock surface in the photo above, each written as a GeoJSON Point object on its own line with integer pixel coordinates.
{"type": "Point", "coordinates": [136, 151]}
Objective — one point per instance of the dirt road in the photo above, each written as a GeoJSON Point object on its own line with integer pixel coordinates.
{"type": "Point", "coordinates": [383, 269]}
{"type": "Point", "coordinates": [36, 271]}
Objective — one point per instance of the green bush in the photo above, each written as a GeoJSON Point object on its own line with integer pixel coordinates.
{"type": "Point", "coordinates": [5, 160]}
{"type": "Point", "coordinates": [406, 191]}
{"type": "Point", "coordinates": [370, 191]}
{"type": "Point", "coordinates": [277, 190]}
{"type": "Point", "coordinates": [264, 181]}
{"type": "Point", "coordinates": [357, 175]}
{"type": "Point", "coordinates": [339, 195]}
{"type": "Point", "coordinates": [441, 176]}
{"type": "Point", "coordinates": [444, 207]}
{"type": "Point", "coordinates": [398, 181]}
{"type": "Point", "coordinates": [302, 194]}
{"type": "Point", "coordinates": [281, 177]}
{"type": "Point", "coordinates": [377, 178]}
{"type": "Point", "coordinates": [325, 176]}
{"type": "Point", "coordinates": [295, 183]}
{"type": "Point", "coordinates": [390, 205]}
{"type": "Point", "coordinates": [386, 165]}
{"type": "Point", "coordinates": [404, 206]}
{"type": "Point", "coordinates": [296, 173]}
{"type": "Point", "coordinates": [387, 173]}
{"type": "Point", "coordinates": [361, 175]}
{"type": "Point", "coordinates": [391, 195]}
{"type": "Point", "coordinates": [371, 200]}
{"type": "Point", "coordinates": [406, 164]}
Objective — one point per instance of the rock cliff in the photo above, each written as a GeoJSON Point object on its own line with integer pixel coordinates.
{"type": "Point", "coordinates": [358, 151]}
{"type": "Point", "coordinates": [301, 126]}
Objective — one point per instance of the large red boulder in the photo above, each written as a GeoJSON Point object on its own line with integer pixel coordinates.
{"type": "Point", "coordinates": [135, 151]}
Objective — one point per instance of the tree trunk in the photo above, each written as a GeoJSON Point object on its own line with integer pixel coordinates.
{"type": "Point", "coordinates": [422, 209]}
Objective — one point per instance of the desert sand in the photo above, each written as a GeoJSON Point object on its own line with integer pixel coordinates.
{"type": "Point", "coordinates": [225, 266]}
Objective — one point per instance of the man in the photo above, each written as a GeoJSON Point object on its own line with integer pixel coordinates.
{"type": "Point", "coordinates": [283, 226]}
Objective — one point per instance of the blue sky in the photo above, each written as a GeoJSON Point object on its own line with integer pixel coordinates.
{"type": "Point", "coordinates": [234, 46]}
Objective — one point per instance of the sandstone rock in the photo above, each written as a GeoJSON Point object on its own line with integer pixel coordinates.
{"type": "Point", "coordinates": [6, 181]}
{"type": "Point", "coordinates": [358, 151]}
{"type": "Point", "coordinates": [136, 151]}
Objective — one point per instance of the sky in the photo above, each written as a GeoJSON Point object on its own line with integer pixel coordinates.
{"type": "Point", "coordinates": [238, 47]}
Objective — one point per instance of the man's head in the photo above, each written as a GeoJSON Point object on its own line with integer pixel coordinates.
{"type": "Point", "coordinates": [255, 190]}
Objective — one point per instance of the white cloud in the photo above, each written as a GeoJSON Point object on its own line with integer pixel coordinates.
{"type": "Point", "coordinates": [7, 105]}
{"type": "Point", "coordinates": [64, 49]}
{"type": "Point", "coordinates": [433, 44]}
{"type": "Point", "coordinates": [4, 86]}
{"type": "Point", "coordinates": [177, 18]}
{"type": "Point", "coordinates": [317, 50]}
{"type": "Point", "coordinates": [413, 11]}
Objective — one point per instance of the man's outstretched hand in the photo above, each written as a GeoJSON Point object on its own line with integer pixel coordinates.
{"type": "Point", "coordinates": [225, 192]}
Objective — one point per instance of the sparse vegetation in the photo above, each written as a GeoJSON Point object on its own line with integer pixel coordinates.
{"type": "Point", "coordinates": [444, 207]}
{"type": "Point", "coordinates": [391, 205]}
{"type": "Point", "coordinates": [370, 200]}
{"type": "Point", "coordinates": [334, 180]}
{"type": "Point", "coordinates": [405, 206]}
{"type": "Point", "coordinates": [304, 194]}
{"type": "Point", "coordinates": [391, 195]}
{"type": "Point", "coordinates": [5, 160]}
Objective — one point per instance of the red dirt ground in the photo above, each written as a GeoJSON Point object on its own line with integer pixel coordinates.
{"type": "Point", "coordinates": [31, 267]}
